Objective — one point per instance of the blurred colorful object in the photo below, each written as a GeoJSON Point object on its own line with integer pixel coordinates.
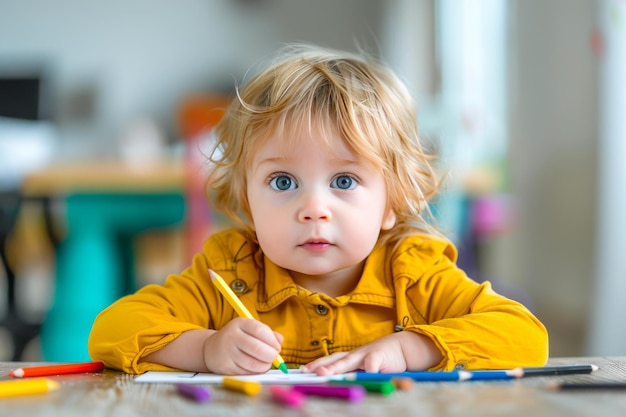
{"type": "Point", "coordinates": [197, 116]}
{"type": "Point", "coordinates": [492, 215]}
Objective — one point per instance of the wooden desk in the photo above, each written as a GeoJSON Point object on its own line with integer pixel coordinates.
{"type": "Point", "coordinates": [106, 204]}
{"type": "Point", "coordinates": [103, 176]}
{"type": "Point", "coordinates": [113, 393]}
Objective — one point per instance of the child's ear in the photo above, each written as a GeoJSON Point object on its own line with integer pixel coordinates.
{"type": "Point", "coordinates": [389, 220]}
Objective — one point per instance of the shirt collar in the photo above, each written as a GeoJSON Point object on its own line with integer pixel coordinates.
{"type": "Point", "coordinates": [375, 286]}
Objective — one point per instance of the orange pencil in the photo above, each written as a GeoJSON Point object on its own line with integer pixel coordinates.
{"type": "Point", "coordinates": [48, 370]}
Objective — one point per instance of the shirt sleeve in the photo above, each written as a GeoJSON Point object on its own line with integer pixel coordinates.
{"type": "Point", "coordinates": [141, 323]}
{"type": "Point", "coordinates": [473, 326]}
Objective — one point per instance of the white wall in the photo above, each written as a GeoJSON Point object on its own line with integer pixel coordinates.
{"type": "Point", "coordinates": [135, 58]}
{"type": "Point", "coordinates": [607, 336]}
{"type": "Point", "coordinates": [553, 149]}
{"type": "Point", "coordinates": [408, 44]}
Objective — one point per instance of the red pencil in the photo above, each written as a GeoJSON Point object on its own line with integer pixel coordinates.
{"type": "Point", "coordinates": [48, 370]}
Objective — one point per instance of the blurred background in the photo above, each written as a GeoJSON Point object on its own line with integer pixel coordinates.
{"type": "Point", "coordinates": [104, 108]}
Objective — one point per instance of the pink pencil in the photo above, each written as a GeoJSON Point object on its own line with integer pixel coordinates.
{"type": "Point", "coordinates": [287, 396]}
{"type": "Point", "coordinates": [48, 370]}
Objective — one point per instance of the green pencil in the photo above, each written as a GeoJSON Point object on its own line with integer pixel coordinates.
{"type": "Point", "coordinates": [381, 387]}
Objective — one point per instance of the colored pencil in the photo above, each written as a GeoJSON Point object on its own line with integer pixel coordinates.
{"type": "Point", "coordinates": [239, 385]}
{"type": "Point", "coordinates": [536, 371]}
{"type": "Point", "coordinates": [470, 375]}
{"type": "Point", "coordinates": [48, 370]}
{"type": "Point", "coordinates": [588, 386]}
{"type": "Point", "coordinates": [380, 387]}
{"type": "Point", "coordinates": [234, 301]}
{"type": "Point", "coordinates": [402, 384]}
{"type": "Point", "coordinates": [27, 387]}
{"type": "Point", "coordinates": [194, 392]}
{"type": "Point", "coordinates": [287, 396]}
{"type": "Point", "coordinates": [416, 376]}
{"type": "Point", "coordinates": [559, 370]}
{"type": "Point", "coordinates": [351, 393]}
{"type": "Point", "coordinates": [495, 375]}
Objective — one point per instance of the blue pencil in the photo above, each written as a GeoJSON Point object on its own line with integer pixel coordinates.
{"type": "Point", "coordinates": [496, 375]}
{"type": "Point", "coordinates": [469, 375]}
{"type": "Point", "coordinates": [416, 376]}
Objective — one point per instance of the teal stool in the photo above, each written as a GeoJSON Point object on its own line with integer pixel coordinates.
{"type": "Point", "coordinates": [94, 262]}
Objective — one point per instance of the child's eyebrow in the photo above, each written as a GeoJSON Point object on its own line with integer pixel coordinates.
{"type": "Point", "coordinates": [271, 160]}
{"type": "Point", "coordinates": [258, 164]}
{"type": "Point", "coordinates": [278, 159]}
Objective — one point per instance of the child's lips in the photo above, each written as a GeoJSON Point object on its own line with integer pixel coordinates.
{"type": "Point", "coordinates": [316, 245]}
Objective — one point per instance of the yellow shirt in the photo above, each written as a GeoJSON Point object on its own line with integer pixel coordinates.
{"type": "Point", "coordinates": [417, 287]}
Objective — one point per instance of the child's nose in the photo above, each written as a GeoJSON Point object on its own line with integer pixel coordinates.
{"type": "Point", "coordinates": [314, 206]}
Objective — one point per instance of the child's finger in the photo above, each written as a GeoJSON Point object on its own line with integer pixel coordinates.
{"type": "Point", "coordinates": [252, 363]}
{"type": "Point", "coordinates": [323, 361]}
{"type": "Point", "coordinates": [259, 351]}
{"type": "Point", "coordinates": [373, 362]}
{"type": "Point", "coordinates": [262, 332]}
{"type": "Point", "coordinates": [340, 364]}
{"type": "Point", "coordinates": [350, 362]}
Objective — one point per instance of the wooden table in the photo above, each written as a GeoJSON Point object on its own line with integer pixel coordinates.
{"type": "Point", "coordinates": [105, 175]}
{"type": "Point", "coordinates": [113, 393]}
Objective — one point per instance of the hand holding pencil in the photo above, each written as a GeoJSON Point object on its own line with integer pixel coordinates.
{"type": "Point", "coordinates": [247, 328]}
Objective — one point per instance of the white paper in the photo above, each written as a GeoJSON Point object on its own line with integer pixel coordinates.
{"type": "Point", "coordinates": [273, 376]}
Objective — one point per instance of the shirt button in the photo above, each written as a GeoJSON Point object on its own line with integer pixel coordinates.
{"type": "Point", "coordinates": [322, 310]}
{"type": "Point", "coordinates": [239, 286]}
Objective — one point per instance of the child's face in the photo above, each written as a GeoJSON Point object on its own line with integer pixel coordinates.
{"type": "Point", "coordinates": [316, 210]}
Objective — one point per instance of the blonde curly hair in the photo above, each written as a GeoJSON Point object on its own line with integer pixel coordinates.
{"type": "Point", "coordinates": [354, 95]}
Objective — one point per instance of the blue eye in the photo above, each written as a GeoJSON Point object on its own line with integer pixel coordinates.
{"type": "Point", "coordinates": [344, 182]}
{"type": "Point", "coordinates": [282, 182]}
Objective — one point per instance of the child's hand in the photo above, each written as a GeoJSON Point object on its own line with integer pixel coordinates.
{"type": "Point", "coordinates": [243, 346]}
{"type": "Point", "coordinates": [396, 352]}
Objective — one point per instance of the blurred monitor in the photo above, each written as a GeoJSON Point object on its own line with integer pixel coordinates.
{"type": "Point", "coordinates": [22, 95]}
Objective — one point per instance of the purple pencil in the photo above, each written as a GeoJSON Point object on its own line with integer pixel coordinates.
{"type": "Point", "coordinates": [351, 393]}
{"type": "Point", "coordinates": [195, 392]}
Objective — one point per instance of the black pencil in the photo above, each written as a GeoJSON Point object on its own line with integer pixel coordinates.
{"type": "Point", "coordinates": [588, 386]}
{"type": "Point", "coordinates": [559, 370]}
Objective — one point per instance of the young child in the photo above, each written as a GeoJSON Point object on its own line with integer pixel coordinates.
{"type": "Point", "coordinates": [319, 161]}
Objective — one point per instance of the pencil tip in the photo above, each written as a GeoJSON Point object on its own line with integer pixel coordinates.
{"type": "Point", "coordinates": [283, 368]}
{"type": "Point", "coordinates": [594, 367]}
{"type": "Point", "coordinates": [464, 375]}
{"type": "Point", "coordinates": [212, 274]}
{"type": "Point", "coordinates": [17, 373]}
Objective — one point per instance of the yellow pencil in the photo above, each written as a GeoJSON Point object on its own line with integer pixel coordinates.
{"type": "Point", "coordinates": [31, 386]}
{"type": "Point", "coordinates": [234, 301]}
{"type": "Point", "coordinates": [247, 387]}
